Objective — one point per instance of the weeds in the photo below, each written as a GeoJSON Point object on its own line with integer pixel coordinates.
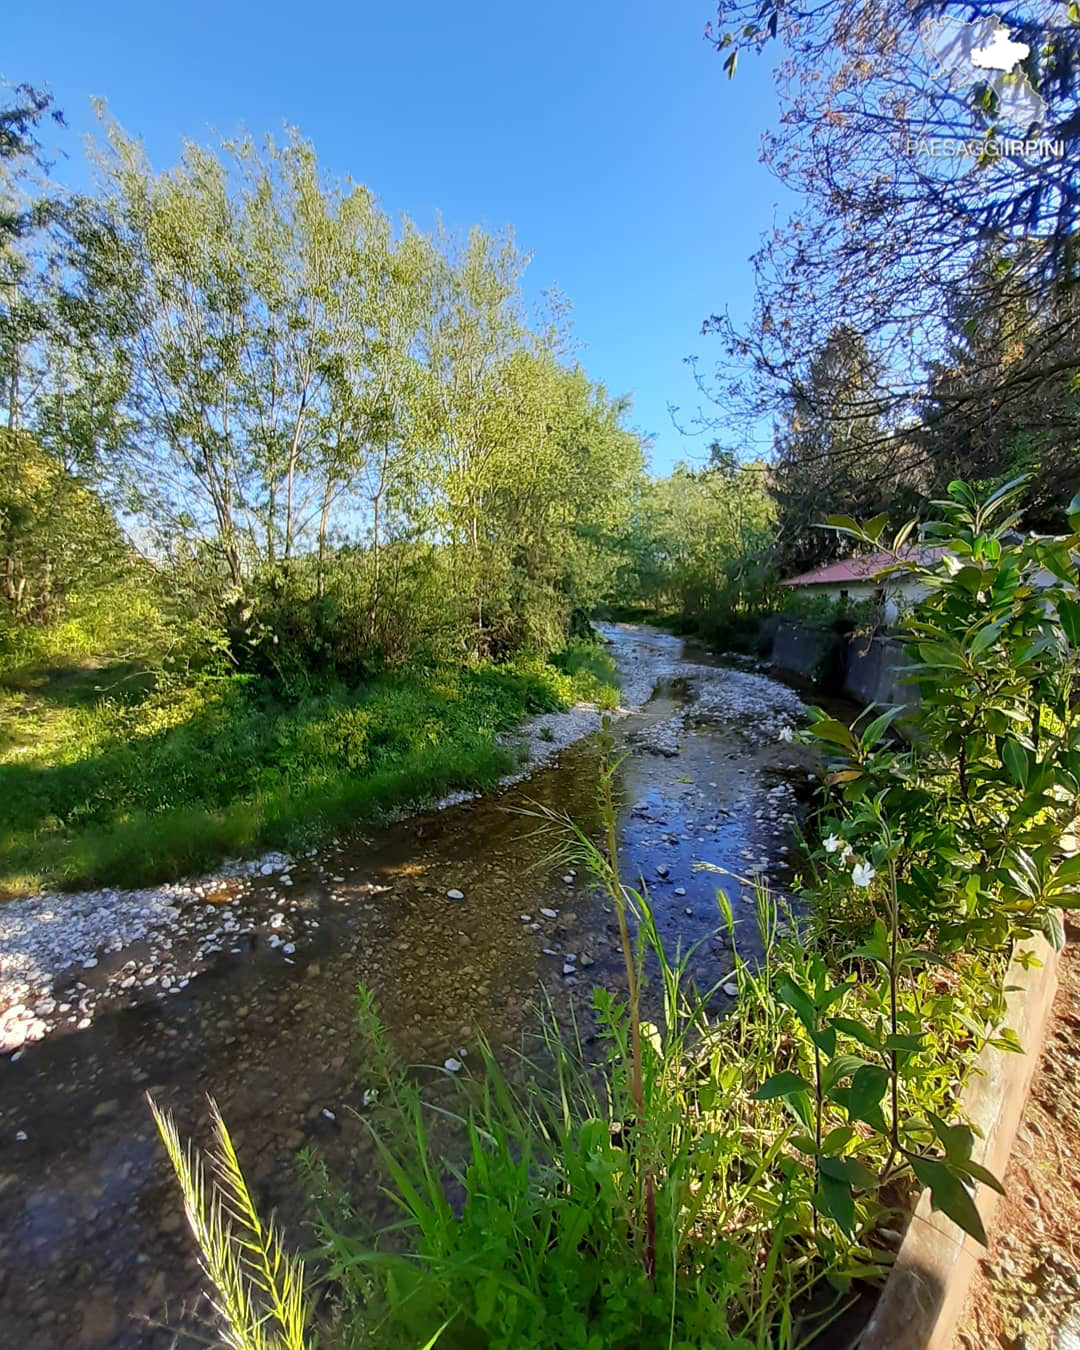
{"type": "Point", "coordinates": [258, 1289]}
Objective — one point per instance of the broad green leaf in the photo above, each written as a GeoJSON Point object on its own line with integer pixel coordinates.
{"type": "Point", "coordinates": [875, 729]}
{"type": "Point", "coordinates": [825, 1040]}
{"type": "Point", "coordinates": [857, 1031]}
{"type": "Point", "coordinates": [876, 947]}
{"type": "Point", "coordinates": [829, 729]}
{"type": "Point", "coordinates": [850, 1170]}
{"type": "Point", "coordinates": [867, 1089]}
{"type": "Point", "coordinates": [1015, 758]}
{"type": "Point", "coordinates": [845, 525]}
{"type": "Point", "coordinates": [837, 1139]}
{"type": "Point", "coordinates": [988, 635]}
{"type": "Point", "coordinates": [910, 1044]}
{"type": "Point", "coordinates": [949, 1195]}
{"type": "Point", "coordinates": [783, 1084]}
{"type": "Point", "coordinates": [983, 1174]}
{"type": "Point", "coordinates": [835, 1200]}
{"type": "Point", "coordinates": [1069, 614]}
{"type": "Point", "coordinates": [798, 1001]}
{"type": "Point", "coordinates": [956, 1140]}
{"type": "Point", "coordinates": [874, 527]}
{"type": "Point", "coordinates": [937, 654]}
{"type": "Point", "coordinates": [843, 1066]}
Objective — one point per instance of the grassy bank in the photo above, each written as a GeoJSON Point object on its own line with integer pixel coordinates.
{"type": "Point", "coordinates": [109, 775]}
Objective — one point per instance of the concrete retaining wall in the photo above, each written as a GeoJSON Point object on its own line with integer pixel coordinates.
{"type": "Point", "coordinates": [927, 1287]}
{"type": "Point", "coordinates": [869, 669]}
{"type": "Point", "coordinates": [873, 671]}
{"type": "Point", "coordinates": [812, 653]}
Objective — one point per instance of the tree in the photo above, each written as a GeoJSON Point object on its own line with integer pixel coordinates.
{"type": "Point", "coordinates": [1033, 424]}
{"type": "Point", "coordinates": [25, 215]}
{"type": "Point", "coordinates": [886, 235]}
{"type": "Point", "coordinates": [700, 536]}
{"type": "Point", "coordinates": [56, 535]}
{"type": "Point", "coordinates": [832, 455]}
{"type": "Point", "coordinates": [342, 433]}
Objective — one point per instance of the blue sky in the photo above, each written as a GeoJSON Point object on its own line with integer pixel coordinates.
{"type": "Point", "coordinates": [606, 134]}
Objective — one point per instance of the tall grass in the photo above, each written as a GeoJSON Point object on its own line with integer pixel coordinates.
{"type": "Point", "coordinates": [258, 1289]}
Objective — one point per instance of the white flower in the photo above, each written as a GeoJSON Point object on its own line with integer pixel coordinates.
{"type": "Point", "coordinates": [832, 843]}
{"type": "Point", "coordinates": [786, 734]}
{"type": "Point", "coordinates": [862, 874]}
{"type": "Point", "coordinates": [847, 855]}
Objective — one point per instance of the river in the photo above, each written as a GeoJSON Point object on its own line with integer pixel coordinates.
{"type": "Point", "coordinates": [94, 1252]}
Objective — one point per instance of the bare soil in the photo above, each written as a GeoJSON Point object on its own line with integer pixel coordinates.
{"type": "Point", "coordinates": [1026, 1295]}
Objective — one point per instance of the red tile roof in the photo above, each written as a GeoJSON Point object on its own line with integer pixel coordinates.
{"type": "Point", "coordinates": [861, 568]}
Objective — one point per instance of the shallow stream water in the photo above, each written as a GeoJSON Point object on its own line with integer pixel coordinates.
{"type": "Point", "coordinates": [94, 1252]}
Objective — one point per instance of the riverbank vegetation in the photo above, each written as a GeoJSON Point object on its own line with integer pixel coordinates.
{"type": "Point", "coordinates": [689, 1181]}
{"type": "Point", "coordinates": [295, 504]}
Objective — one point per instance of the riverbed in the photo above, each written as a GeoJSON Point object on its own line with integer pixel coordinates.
{"type": "Point", "coordinates": [455, 918]}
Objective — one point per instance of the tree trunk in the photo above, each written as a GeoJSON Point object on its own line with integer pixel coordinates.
{"type": "Point", "coordinates": [324, 519]}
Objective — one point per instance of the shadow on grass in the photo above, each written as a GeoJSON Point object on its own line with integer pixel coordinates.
{"type": "Point", "coordinates": [165, 789]}
{"type": "Point", "coordinates": [82, 684]}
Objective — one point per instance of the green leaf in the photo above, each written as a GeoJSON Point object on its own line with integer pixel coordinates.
{"type": "Point", "coordinates": [867, 1089]}
{"type": "Point", "coordinates": [845, 525]}
{"type": "Point", "coordinates": [784, 1084]}
{"type": "Point", "coordinates": [874, 730]}
{"type": "Point", "coordinates": [1069, 870]}
{"type": "Point", "coordinates": [864, 1035]}
{"type": "Point", "coordinates": [983, 1174]}
{"type": "Point", "coordinates": [937, 654]}
{"type": "Point", "coordinates": [837, 1139]}
{"type": "Point", "coordinates": [1069, 614]}
{"type": "Point", "coordinates": [1058, 560]}
{"type": "Point", "coordinates": [799, 1001]}
{"type": "Point", "coordinates": [911, 1044]}
{"type": "Point", "coordinates": [961, 492]}
{"type": "Point", "coordinates": [850, 1170]}
{"type": "Point", "coordinates": [999, 495]}
{"type": "Point", "coordinates": [825, 1040]}
{"type": "Point", "coordinates": [949, 1195]}
{"type": "Point", "coordinates": [1015, 758]}
{"type": "Point", "coordinates": [988, 635]}
{"type": "Point", "coordinates": [876, 947]}
{"type": "Point", "coordinates": [835, 1200]}
{"type": "Point", "coordinates": [829, 729]}
{"type": "Point", "coordinates": [874, 527]}
{"type": "Point", "coordinates": [956, 1140]}
{"type": "Point", "coordinates": [1073, 511]}
{"type": "Point", "coordinates": [840, 1067]}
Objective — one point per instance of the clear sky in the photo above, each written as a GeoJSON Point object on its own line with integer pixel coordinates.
{"type": "Point", "coordinates": [606, 134]}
